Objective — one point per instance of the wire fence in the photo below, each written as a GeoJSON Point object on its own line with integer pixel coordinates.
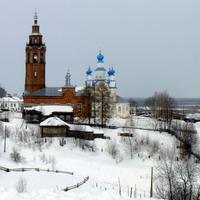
{"type": "Point", "coordinates": [130, 191]}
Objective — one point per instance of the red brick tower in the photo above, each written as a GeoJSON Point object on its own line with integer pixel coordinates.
{"type": "Point", "coordinates": [35, 60]}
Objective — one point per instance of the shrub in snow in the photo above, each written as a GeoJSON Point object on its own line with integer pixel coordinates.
{"type": "Point", "coordinates": [43, 158]}
{"type": "Point", "coordinates": [62, 142]}
{"type": "Point", "coordinates": [52, 161]}
{"type": "Point", "coordinates": [21, 185]}
{"type": "Point", "coordinates": [16, 156]}
{"type": "Point", "coordinates": [155, 146]}
{"type": "Point", "coordinates": [113, 150]}
{"type": "Point", "coordinates": [129, 145]}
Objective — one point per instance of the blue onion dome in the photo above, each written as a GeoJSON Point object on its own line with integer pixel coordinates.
{"type": "Point", "coordinates": [111, 72]}
{"type": "Point", "coordinates": [89, 71]}
{"type": "Point", "coordinates": [100, 57]}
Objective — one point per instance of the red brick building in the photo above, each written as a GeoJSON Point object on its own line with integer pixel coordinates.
{"type": "Point", "coordinates": [36, 91]}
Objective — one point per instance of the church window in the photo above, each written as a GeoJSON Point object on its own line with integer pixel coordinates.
{"type": "Point", "coordinates": [35, 58]}
{"type": "Point", "coordinates": [35, 74]}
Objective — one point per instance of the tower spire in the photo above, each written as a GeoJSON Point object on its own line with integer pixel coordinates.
{"type": "Point", "coordinates": [35, 27]}
{"type": "Point", "coordinates": [68, 79]}
{"type": "Point", "coordinates": [35, 17]}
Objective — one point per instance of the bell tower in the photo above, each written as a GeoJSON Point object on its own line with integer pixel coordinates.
{"type": "Point", "coordinates": [35, 60]}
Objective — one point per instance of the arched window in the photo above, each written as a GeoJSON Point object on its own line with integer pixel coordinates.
{"type": "Point", "coordinates": [35, 58]}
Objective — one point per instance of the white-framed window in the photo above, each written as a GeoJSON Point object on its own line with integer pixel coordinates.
{"type": "Point", "coordinates": [79, 107]}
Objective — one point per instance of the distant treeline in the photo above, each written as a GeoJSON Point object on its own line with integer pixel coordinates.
{"type": "Point", "coordinates": [180, 102]}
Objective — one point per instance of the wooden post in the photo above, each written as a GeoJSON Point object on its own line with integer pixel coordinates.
{"type": "Point", "coordinates": [131, 192]}
{"type": "Point", "coordinates": [151, 187]}
{"type": "Point", "coordinates": [135, 192]}
{"type": "Point", "coordinates": [128, 191]}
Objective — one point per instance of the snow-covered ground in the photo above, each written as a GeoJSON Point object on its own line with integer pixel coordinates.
{"type": "Point", "coordinates": [105, 172]}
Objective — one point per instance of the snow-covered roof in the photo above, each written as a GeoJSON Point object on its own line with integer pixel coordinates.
{"type": "Point", "coordinates": [79, 88]}
{"type": "Point", "coordinates": [49, 109]}
{"type": "Point", "coordinates": [53, 121]}
{"type": "Point", "coordinates": [47, 91]}
{"type": "Point", "coordinates": [98, 131]}
{"type": "Point", "coordinates": [10, 99]}
{"type": "Point", "coordinates": [77, 127]}
{"type": "Point", "coordinates": [193, 116]}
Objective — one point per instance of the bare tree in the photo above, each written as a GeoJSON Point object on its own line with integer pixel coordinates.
{"type": "Point", "coordinates": [133, 105]}
{"type": "Point", "coordinates": [162, 106]}
{"type": "Point", "coordinates": [89, 93]}
{"type": "Point", "coordinates": [177, 180]}
{"type": "Point", "coordinates": [187, 136]}
{"type": "Point", "coordinates": [130, 145]}
{"type": "Point", "coordinates": [3, 92]}
{"type": "Point", "coordinates": [16, 156]}
{"type": "Point", "coordinates": [102, 103]}
{"type": "Point", "coordinates": [21, 185]}
{"type": "Point", "coordinates": [112, 149]}
{"type": "Point", "coordinates": [129, 140]}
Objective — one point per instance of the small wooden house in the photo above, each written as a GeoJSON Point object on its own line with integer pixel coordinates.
{"type": "Point", "coordinates": [53, 127]}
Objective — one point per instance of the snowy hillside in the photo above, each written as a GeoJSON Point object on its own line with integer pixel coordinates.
{"type": "Point", "coordinates": [108, 163]}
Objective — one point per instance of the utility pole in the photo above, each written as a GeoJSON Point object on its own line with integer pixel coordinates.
{"type": "Point", "coordinates": [151, 187]}
{"type": "Point", "coordinates": [5, 135]}
{"type": "Point", "coordinates": [94, 104]}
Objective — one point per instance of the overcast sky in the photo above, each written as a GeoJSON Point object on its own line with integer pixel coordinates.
{"type": "Point", "coordinates": [153, 44]}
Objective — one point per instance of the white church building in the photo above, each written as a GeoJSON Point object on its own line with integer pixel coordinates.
{"type": "Point", "coordinates": [11, 103]}
{"type": "Point", "coordinates": [102, 75]}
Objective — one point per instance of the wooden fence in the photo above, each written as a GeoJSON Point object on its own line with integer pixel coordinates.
{"type": "Point", "coordinates": [77, 185]}
{"type": "Point", "coordinates": [46, 170]}
{"type": "Point", "coordinates": [33, 169]}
